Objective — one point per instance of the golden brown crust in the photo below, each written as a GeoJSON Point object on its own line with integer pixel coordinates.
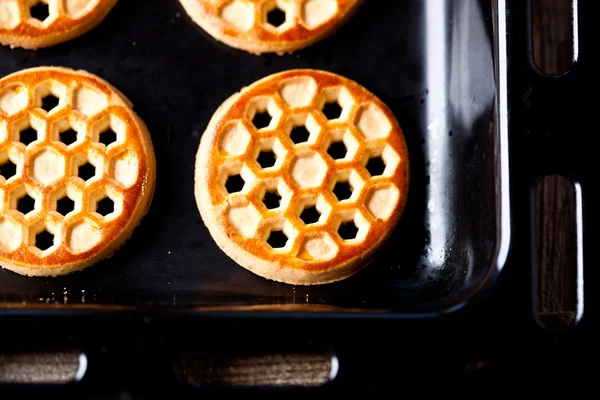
{"type": "Point", "coordinates": [131, 192]}
{"type": "Point", "coordinates": [255, 35]}
{"type": "Point", "coordinates": [295, 264]}
{"type": "Point", "coordinates": [23, 31]}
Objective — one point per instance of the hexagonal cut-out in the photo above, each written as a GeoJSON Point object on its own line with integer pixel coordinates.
{"type": "Point", "coordinates": [106, 204]}
{"type": "Point", "coordinates": [90, 101]}
{"type": "Point", "coordinates": [22, 200]}
{"type": "Point", "coordinates": [308, 170]}
{"type": "Point", "coordinates": [8, 168]}
{"type": "Point", "coordinates": [107, 137]}
{"type": "Point", "coordinates": [336, 103]}
{"type": "Point", "coordinates": [124, 168]}
{"type": "Point", "coordinates": [68, 137]}
{"type": "Point", "coordinates": [311, 210]}
{"type": "Point", "coordinates": [274, 194]}
{"type": "Point", "coordinates": [28, 136]}
{"type": "Point", "coordinates": [65, 205]}
{"type": "Point", "coordinates": [341, 145]}
{"type": "Point", "coordinates": [373, 162]}
{"type": "Point", "coordinates": [382, 200]}
{"type": "Point", "coordinates": [11, 234]}
{"type": "Point", "coordinates": [372, 122]}
{"type": "Point", "coordinates": [302, 128]}
{"type": "Point", "coordinates": [272, 199]}
{"type": "Point", "coordinates": [263, 112]}
{"type": "Point", "coordinates": [348, 230]}
{"type": "Point", "coordinates": [25, 130]}
{"type": "Point", "coordinates": [69, 132]}
{"type": "Point", "coordinates": [239, 14]}
{"type": "Point", "coordinates": [83, 236]}
{"type": "Point", "coordinates": [13, 100]}
{"type": "Point", "coordinates": [86, 171]}
{"type": "Point", "coordinates": [9, 14]}
{"type": "Point", "coordinates": [234, 139]}
{"type": "Point", "coordinates": [48, 166]}
{"type": "Point", "coordinates": [42, 239]}
{"type": "Point", "coordinates": [342, 190]}
{"type": "Point", "coordinates": [50, 102]}
{"type": "Point", "coordinates": [310, 215]}
{"type": "Point", "coordinates": [39, 10]}
{"type": "Point", "coordinates": [25, 204]}
{"type": "Point", "coordinates": [245, 219]}
{"type": "Point", "coordinates": [346, 185]}
{"type": "Point", "coordinates": [299, 135]}
{"type": "Point", "coordinates": [275, 16]}
{"type": "Point", "coordinates": [375, 166]}
{"type": "Point", "coordinates": [279, 235]}
{"type": "Point", "coordinates": [49, 96]}
{"type": "Point", "coordinates": [234, 184]}
{"type": "Point", "coordinates": [332, 110]}
{"type": "Point", "coordinates": [298, 92]}
{"type": "Point", "coordinates": [114, 126]}
{"type": "Point", "coordinates": [337, 150]}
{"type": "Point", "coordinates": [236, 178]}
{"type": "Point", "coordinates": [318, 247]}
{"type": "Point", "coordinates": [317, 12]}
{"type": "Point", "coordinates": [351, 226]}
{"type": "Point", "coordinates": [277, 239]}
{"type": "Point", "coordinates": [262, 120]}
{"type": "Point", "coordinates": [65, 201]}
{"type": "Point", "coordinates": [266, 159]}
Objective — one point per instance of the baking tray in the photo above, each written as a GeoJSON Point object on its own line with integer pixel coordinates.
{"type": "Point", "coordinates": [459, 76]}
{"type": "Point", "coordinates": [435, 63]}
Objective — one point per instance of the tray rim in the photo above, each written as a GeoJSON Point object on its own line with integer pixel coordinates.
{"type": "Point", "coordinates": [499, 258]}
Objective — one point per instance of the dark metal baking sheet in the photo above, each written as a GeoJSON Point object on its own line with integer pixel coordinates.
{"type": "Point", "coordinates": [432, 61]}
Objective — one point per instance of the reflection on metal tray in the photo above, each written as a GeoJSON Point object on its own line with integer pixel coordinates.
{"type": "Point", "coordinates": [437, 64]}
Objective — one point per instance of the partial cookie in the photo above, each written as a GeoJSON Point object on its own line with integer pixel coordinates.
{"type": "Point", "coordinates": [33, 24]}
{"type": "Point", "coordinates": [269, 26]}
{"type": "Point", "coordinates": [302, 176]}
{"type": "Point", "coordinates": [77, 170]}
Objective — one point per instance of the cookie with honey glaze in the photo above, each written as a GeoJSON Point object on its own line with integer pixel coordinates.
{"type": "Point", "coordinates": [33, 24]}
{"type": "Point", "coordinates": [270, 26]}
{"type": "Point", "coordinates": [302, 176]}
{"type": "Point", "coordinates": [77, 170]}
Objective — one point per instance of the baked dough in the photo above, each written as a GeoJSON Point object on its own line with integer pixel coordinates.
{"type": "Point", "coordinates": [302, 176]}
{"type": "Point", "coordinates": [33, 24]}
{"type": "Point", "coordinates": [77, 170]}
{"type": "Point", "coordinates": [270, 26]}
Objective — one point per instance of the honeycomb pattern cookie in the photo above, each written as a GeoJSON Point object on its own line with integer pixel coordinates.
{"type": "Point", "coordinates": [33, 24]}
{"type": "Point", "coordinates": [302, 176]}
{"type": "Point", "coordinates": [77, 171]}
{"type": "Point", "coordinates": [270, 26]}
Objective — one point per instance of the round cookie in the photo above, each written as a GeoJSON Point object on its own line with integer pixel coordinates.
{"type": "Point", "coordinates": [269, 26]}
{"type": "Point", "coordinates": [33, 24]}
{"type": "Point", "coordinates": [77, 170]}
{"type": "Point", "coordinates": [302, 176]}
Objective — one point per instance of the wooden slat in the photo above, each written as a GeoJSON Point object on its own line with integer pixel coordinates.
{"type": "Point", "coordinates": [255, 369]}
{"type": "Point", "coordinates": [556, 252]}
{"type": "Point", "coordinates": [41, 367]}
{"type": "Point", "coordinates": [552, 35]}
